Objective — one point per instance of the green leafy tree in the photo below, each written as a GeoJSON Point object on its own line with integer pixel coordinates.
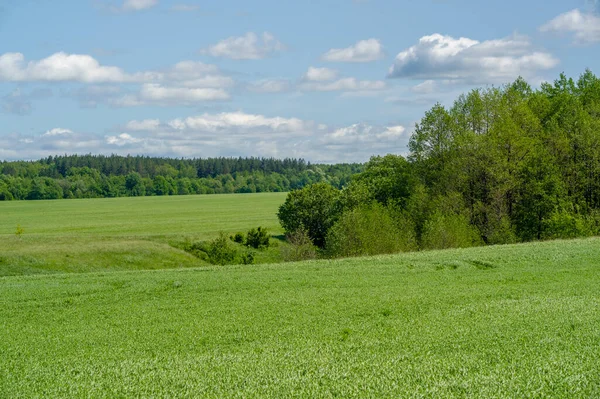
{"type": "Point", "coordinates": [314, 208]}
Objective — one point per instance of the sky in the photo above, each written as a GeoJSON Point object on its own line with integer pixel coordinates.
{"type": "Point", "coordinates": [327, 81]}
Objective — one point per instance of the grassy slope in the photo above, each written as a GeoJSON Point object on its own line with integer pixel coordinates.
{"type": "Point", "coordinates": [122, 233]}
{"type": "Point", "coordinates": [512, 321]}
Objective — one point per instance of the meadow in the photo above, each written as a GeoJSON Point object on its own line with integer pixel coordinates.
{"type": "Point", "coordinates": [507, 321]}
{"type": "Point", "coordinates": [123, 233]}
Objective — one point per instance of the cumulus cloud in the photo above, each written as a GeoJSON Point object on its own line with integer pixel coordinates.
{"type": "Point", "coordinates": [57, 131]}
{"type": "Point", "coordinates": [156, 94]}
{"type": "Point", "coordinates": [470, 61]}
{"type": "Point", "coordinates": [248, 47]}
{"type": "Point", "coordinates": [218, 134]}
{"type": "Point", "coordinates": [65, 67]}
{"type": "Point", "coordinates": [363, 51]}
{"type": "Point", "coordinates": [345, 84]}
{"type": "Point", "coordinates": [320, 74]}
{"type": "Point", "coordinates": [185, 82]}
{"type": "Point", "coordinates": [146, 124]}
{"type": "Point", "coordinates": [85, 69]}
{"type": "Point", "coordinates": [121, 140]}
{"type": "Point", "coordinates": [585, 27]}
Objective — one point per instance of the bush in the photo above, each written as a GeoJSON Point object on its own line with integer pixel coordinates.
{"type": "Point", "coordinates": [258, 238]}
{"type": "Point", "coordinates": [449, 231]}
{"type": "Point", "coordinates": [370, 230]}
{"type": "Point", "coordinates": [562, 224]}
{"type": "Point", "coordinates": [220, 251]}
{"type": "Point", "coordinates": [238, 238]}
{"type": "Point", "coordinates": [300, 247]}
{"type": "Point", "coordinates": [247, 258]}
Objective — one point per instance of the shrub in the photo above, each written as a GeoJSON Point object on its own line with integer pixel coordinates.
{"type": "Point", "coordinates": [247, 258]}
{"type": "Point", "coordinates": [449, 231]}
{"type": "Point", "coordinates": [220, 251]}
{"type": "Point", "coordinates": [239, 238]}
{"type": "Point", "coordinates": [258, 238]}
{"type": "Point", "coordinates": [562, 224]}
{"type": "Point", "coordinates": [300, 247]}
{"type": "Point", "coordinates": [370, 230]}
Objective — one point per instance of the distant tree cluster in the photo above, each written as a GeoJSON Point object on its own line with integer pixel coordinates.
{"type": "Point", "coordinates": [97, 176]}
{"type": "Point", "coordinates": [502, 165]}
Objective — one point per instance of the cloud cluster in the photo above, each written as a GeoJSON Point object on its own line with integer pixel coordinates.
{"type": "Point", "coordinates": [248, 47]}
{"type": "Point", "coordinates": [585, 27]}
{"type": "Point", "coordinates": [325, 79]}
{"type": "Point", "coordinates": [222, 134]}
{"type": "Point", "coordinates": [470, 61]}
{"type": "Point", "coordinates": [363, 51]}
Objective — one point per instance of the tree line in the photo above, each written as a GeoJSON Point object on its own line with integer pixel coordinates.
{"type": "Point", "coordinates": [98, 176]}
{"type": "Point", "coordinates": [501, 165]}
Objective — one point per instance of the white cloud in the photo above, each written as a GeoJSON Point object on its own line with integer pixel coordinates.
{"type": "Point", "coordinates": [585, 27]}
{"type": "Point", "coordinates": [221, 134]}
{"type": "Point", "coordinates": [228, 120]}
{"type": "Point", "coordinates": [138, 5]}
{"type": "Point", "coordinates": [269, 86]}
{"type": "Point", "coordinates": [363, 51]}
{"type": "Point", "coordinates": [57, 67]}
{"type": "Point", "coordinates": [426, 87]}
{"type": "Point", "coordinates": [58, 132]}
{"type": "Point", "coordinates": [320, 74]}
{"type": "Point", "coordinates": [470, 61]}
{"type": "Point", "coordinates": [146, 124]}
{"type": "Point", "coordinates": [345, 84]}
{"type": "Point", "coordinates": [156, 94]}
{"type": "Point", "coordinates": [65, 67]}
{"type": "Point", "coordinates": [247, 47]}
{"type": "Point", "coordinates": [85, 69]}
{"type": "Point", "coordinates": [122, 139]}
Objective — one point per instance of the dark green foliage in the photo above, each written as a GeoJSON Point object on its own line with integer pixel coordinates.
{"type": "Point", "coordinates": [258, 238]}
{"type": "Point", "coordinates": [247, 258]}
{"type": "Point", "coordinates": [314, 208]}
{"type": "Point", "coordinates": [238, 238]}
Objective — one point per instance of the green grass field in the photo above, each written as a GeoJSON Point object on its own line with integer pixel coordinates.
{"type": "Point", "coordinates": [518, 321]}
{"type": "Point", "coordinates": [122, 233]}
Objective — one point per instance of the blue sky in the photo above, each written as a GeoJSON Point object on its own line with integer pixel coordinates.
{"type": "Point", "coordinates": [327, 81]}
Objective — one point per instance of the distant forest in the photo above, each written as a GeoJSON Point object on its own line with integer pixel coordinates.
{"type": "Point", "coordinates": [98, 176]}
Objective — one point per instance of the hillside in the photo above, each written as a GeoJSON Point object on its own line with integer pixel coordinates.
{"type": "Point", "coordinates": [122, 233]}
{"type": "Point", "coordinates": [506, 321]}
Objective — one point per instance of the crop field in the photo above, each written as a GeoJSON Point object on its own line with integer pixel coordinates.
{"type": "Point", "coordinates": [122, 233]}
{"type": "Point", "coordinates": [516, 321]}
